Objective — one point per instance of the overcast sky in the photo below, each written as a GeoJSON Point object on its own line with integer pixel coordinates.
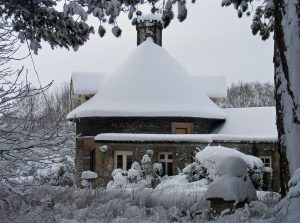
{"type": "Point", "coordinates": [212, 41]}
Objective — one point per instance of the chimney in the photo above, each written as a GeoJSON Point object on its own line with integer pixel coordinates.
{"type": "Point", "coordinates": [149, 26]}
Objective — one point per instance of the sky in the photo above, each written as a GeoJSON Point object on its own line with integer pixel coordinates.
{"type": "Point", "coordinates": [211, 41]}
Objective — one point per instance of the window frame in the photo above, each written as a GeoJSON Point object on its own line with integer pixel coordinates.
{"type": "Point", "coordinates": [263, 158]}
{"type": "Point", "coordinates": [166, 160]}
{"type": "Point", "coordinates": [182, 125]}
{"type": "Point", "coordinates": [124, 155]}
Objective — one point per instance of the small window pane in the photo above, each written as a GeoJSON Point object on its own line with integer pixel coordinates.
{"type": "Point", "coordinates": [129, 161]}
{"type": "Point", "coordinates": [170, 169]}
{"type": "Point", "coordinates": [162, 156]}
{"type": "Point", "coordinates": [119, 162]}
{"type": "Point", "coordinates": [170, 156]}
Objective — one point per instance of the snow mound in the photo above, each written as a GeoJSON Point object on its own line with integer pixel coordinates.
{"type": "Point", "coordinates": [212, 156]}
{"type": "Point", "coordinates": [233, 184]}
{"type": "Point", "coordinates": [150, 83]}
{"type": "Point", "coordinates": [231, 188]}
{"type": "Point", "coordinates": [232, 166]}
{"type": "Point", "coordinates": [88, 175]}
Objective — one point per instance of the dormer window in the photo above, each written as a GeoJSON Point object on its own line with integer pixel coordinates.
{"type": "Point", "coordinates": [182, 128]}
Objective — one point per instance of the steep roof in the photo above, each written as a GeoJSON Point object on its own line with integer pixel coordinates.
{"type": "Point", "coordinates": [149, 83]}
{"type": "Point", "coordinates": [89, 83]}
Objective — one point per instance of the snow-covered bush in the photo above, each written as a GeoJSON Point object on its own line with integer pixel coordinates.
{"type": "Point", "coordinates": [145, 175]}
{"type": "Point", "coordinates": [151, 171]}
{"type": "Point", "coordinates": [56, 171]}
{"type": "Point", "coordinates": [135, 173]}
{"type": "Point", "coordinates": [207, 161]}
{"type": "Point", "coordinates": [233, 182]}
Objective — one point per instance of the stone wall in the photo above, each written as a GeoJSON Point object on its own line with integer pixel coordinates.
{"type": "Point", "coordinates": [183, 154]}
{"type": "Point", "coordinates": [150, 125]}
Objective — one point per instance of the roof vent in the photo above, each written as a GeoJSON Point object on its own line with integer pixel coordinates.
{"type": "Point", "coordinates": [149, 26]}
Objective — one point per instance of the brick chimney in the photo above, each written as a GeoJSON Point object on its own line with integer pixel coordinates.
{"type": "Point", "coordinates": [149, 26]}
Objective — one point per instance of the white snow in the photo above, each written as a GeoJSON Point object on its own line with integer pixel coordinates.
{"type": "Point", "coordinates": [149, 83]}
{"type": "Point", "coordinates": [212, 156]}
{"type": "Point", "coordinates": [103, 148]}
{"type": "Point", "coordinates": [289, 81]}
{"type": "Point", "coordinates": [86, 82]}
{"type": "Point", "coordinates": [234, 183]}
{"type": "Point", "coordinates": [232, 188]}
{"type": "Point", "coordinates": [149, 17]}
{"type": "Point", "coordinates": [232, 166]}
{"type": "Point", "coordinates": [206, 138]}
{"type": "Point", "coordinates": [257, 121]}
{"type": "Point", "coordinates": [288, 208]}
{"type": "Point", "coordinates": [89, 83]}
{"type": "Point", "coordinates": [88, 175]}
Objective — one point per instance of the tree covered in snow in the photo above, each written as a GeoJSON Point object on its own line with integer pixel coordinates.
{"type": "Point", "coordinates": [30, 151]}
{"type": "Point", "coordinates": [65, 25]}
{"type": "Point", "coordinates": [249, 94]}
{"type": "Point", "coordinates": [282, 17]}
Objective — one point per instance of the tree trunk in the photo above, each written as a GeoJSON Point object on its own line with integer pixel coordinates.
{"type": "Point", "coordinates": [287, 85]}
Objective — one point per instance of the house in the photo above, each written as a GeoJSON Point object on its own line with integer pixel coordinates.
{"type": "Point", "coordinates": [151, 101]}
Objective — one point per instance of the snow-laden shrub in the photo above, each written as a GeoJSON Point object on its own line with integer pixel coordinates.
{"type": "Point", "coordinates": [57, 173]}
{"type": "Point", "coordinates": [145, 175]}
{"type": "Point", "coordinates": [135, 173]}
{"type": "Point", "coordinates": [195, 171]}
{"type": "Point", "coordinates": [207, 161]}
{"type": "Point", "coordinates": [151, 171]}
{"type": "Point", "coordinates": [233, 182]}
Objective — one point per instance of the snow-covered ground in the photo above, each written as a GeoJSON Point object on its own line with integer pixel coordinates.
{"type": "Point", "coordinates": [174, 200]}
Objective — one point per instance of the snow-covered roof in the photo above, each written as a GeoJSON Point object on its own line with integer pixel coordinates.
{"type": "Point", "coordinates": [192, 138]}
{"type": "Point", "coordinates": [149, 83]}
{"type": "Point", "coordinates": [86, 82]}
{"type": "Point", "coordinates": [255, 121]}
{"type": "Point", "coordinates": [214, 86]}
{"type": "Point", "coordinates": [241, 125]}
{"type": "Point", "coordinates": [89, 82]}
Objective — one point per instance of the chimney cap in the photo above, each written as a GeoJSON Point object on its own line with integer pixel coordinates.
{"type": "Point", "coordinates": [150, 18]}
{"type": "Point", "coordinates": [149, 25]}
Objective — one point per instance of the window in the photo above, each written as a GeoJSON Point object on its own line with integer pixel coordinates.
{"type": "Point", "coordinates": [93, 160]}
{"type": "Point", "coordinates": [123, 160]}
{"type": "Point", "coordinates": [166, 159]}
{"type": "Point", "coordinates": [267, 160]}
{"type": "Point", "coordinates": [181, 128]}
